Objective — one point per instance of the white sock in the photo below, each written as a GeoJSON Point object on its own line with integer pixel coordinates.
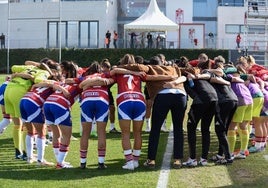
{"type": "Point", "coordinates": [4, 123]}
{"type": "Point", "coordinates": [83, 160]}
{"type": "Point", "coordinates": [40, 143]}
{"type": "Point", "coordinates": [101, 159]}
{"type": "Point", "coordinates": [56, 152]}
{"type": "Point", "coordinates": [29, 145]}
{"type": "Point", "coordinates": [136, 154]}
{"type": "Point", "coordinates": [61, 156]}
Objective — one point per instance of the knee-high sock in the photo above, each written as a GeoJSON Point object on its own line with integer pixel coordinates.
{"type": "Point", "coordinates": [231, 136]}
{"type": "Point", "coordinates": [83, 156]}
{"type": "Point", "coordinates": [136, 154]}
{"type": "Point", "coordinates": [40, 144]}
{"type": "Point", "coordinates": [17, 137]}
{"type": "Point", "coordinates": [4, 123]}
{"type": "Point", "coordinates": [62, 153]}
{"type": "Point", "coordinates": [128, 155]}
{"type": "Point", "coordinates": [244, 140]}
{"type": "Point", "coordinates": [56, 148]}
{"type": "Point", "coordinates": [29, 145]}
{"type": "Point", "coordinates": [23, 143]}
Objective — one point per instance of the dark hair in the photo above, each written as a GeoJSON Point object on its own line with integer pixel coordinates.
{"type": "Point", "coordinates": [95, 67]}
{"type": "Point", "coordinates": [139, 59]}
{"type": "Point", "coordinates": [70, 68]}
{"type": "Point", "coordinates": [105, 63]}
{"type": "Point", "coordinates": [182, 62]}
{"type": "Point", "coordinates": [155, 60]}
{"type": "Point", "coordinates": [204, 65]}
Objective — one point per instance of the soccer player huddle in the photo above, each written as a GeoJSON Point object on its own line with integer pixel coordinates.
{"type": "Point", "coordinates": [38, 97]}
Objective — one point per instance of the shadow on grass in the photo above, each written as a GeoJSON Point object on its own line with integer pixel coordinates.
{"type": "Point", "coordinates": [14, 169]}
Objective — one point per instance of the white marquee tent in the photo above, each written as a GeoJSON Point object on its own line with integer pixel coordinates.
{"type": "Point", "coordinates": [152, 20]}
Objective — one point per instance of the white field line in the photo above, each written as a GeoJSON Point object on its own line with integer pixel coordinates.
{"type": "Point", "coordinates": [165, 168]}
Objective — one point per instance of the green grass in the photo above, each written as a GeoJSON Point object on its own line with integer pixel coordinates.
{"type": "Point", "coordinates": [251, 172]}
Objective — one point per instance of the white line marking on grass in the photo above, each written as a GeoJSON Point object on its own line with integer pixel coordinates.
{"type": "Point", "coordinates": [165, 168]}
{"type": "Point", "coordinates": [266, 157]}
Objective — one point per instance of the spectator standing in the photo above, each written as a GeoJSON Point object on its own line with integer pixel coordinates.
{"type": "Point", "coordinates": [132, 38]}
{"type": "Point", "coordinates": [115, 39]}
{"type": "Point", "coordinates": [150, 40]}
{"type": "Point", "coordinates": [3, 41]}
{"type": "Point", "coordinates": [108, 39]}
{"type": "Point", "coordinates": [238, 40]}
{"type": "Point", "coordinates": [158, 41]}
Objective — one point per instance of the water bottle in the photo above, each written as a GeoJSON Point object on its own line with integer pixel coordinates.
{"type": "Point", "coordinates": [191, 82]}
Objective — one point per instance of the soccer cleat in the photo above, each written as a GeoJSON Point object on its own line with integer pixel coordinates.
{"type": "Point", "coordinates": [129, 165]}
{"type": "Point", "coordinates": [18, 154]}
{"type": "Point", "coordinates": [83, 165]}
{"type": "Point", "coordinates": [149, 163]}
{"type": "Point", "coordinates": [101, 166]}
{"type": "Point", "coordinates": [136, 164]}
{"type": "Point", "coordinates": [24, 156]}
{"type": "Point", "coordinates": [203, 162]}
{"type": "Point", "coordinates": [190, 163]}
{"type": "Point", "coordinates": [61, 166]}
{"type": "Point", "coordinates": [44, 163]}
{"type": "Point", "coordinates": [114, 131]}
{"type": "Point", "coordinates": [240, 155]}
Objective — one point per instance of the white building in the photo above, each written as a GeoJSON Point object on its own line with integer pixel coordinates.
{"type": "Point", "coordinates": [35, 23]}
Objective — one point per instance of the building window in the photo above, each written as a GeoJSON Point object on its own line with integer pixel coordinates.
{"type": "Point", "coordinates": [73, 34]}
{"type": "Point", "coordinates": [252, 29]}
{"type": "Point", "coordinates": [232, 29]}
{"type": "Point", "coordinates": [235, 3]}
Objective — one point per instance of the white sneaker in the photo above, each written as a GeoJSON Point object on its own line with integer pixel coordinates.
{"type": "Point", "coordinates": [129, 165]}
{"type": "Point", "coordinates": [202, 162]}
{"type": "Point", "coordinates": [190, 163]}
{"type": "Point", "coordinates": [44, 163]}
{"type": "Point", "coordinates": [136, 164]}
{"type": "Point", "coordinates": [164, 129]}
{"type": "Point", "coordinates": [240, 155]}
{"type": "Point", "coordinates": [148, 128]}
{"type": "Point", "coordinates": [61, 166]}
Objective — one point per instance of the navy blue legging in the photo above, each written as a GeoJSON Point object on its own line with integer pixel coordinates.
{"type": "Point", "coordinates": [176, 103]}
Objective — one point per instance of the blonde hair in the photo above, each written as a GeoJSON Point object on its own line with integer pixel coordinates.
{"type": "Point", "coordinates": [251, 60]}
{"type": "Point", "coordinates": [203, 57]}
{"type": "Point", "coordinates": [127, 59]}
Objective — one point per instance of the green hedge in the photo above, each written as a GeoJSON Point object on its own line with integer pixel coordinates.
{"type": "Point", "coordinates": [83, 57]}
